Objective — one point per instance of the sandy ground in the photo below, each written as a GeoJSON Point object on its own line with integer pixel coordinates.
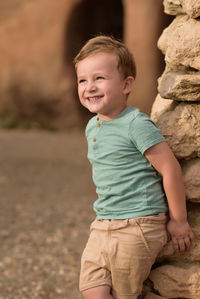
{"type": "Point", "coordinates": [46, 196]}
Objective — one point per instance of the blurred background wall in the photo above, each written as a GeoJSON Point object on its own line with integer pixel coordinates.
{"type": "Point", "coordinates": [38, 40]}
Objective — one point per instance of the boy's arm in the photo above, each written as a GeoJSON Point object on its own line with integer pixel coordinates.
{"type": "Point", "coordinates": [164, 161]}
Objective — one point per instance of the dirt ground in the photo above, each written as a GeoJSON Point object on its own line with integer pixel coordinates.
{"type": "Point", "coordinates": [46, 196]}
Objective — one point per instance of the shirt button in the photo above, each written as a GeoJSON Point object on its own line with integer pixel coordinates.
{"type": "Point", "coordinates": [99, 125]}
{"type": "Point", "coordinates": [94, 139]}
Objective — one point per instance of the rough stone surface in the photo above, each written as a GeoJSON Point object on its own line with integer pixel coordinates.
{"type": "Point", "coordinates": [172, 7]}
{"type": "Point", "coordinates": [191, 175]}
{"type": "Point", "coordinates": [161, 106]}
{"type": "Point", "coordinates": [174, 281]}
{"type": "Point", "coordinates": [176, 111]}
{"type": "Point", "coordinates": [180, 124]}
{"type": "Point", "coordinates": [193, 254]}
{"type": "Point", "coordinates": [175, 7]}
{"type": "Point", "coordinates": [180, 86]}
{"type": "Point", "coordinates": [178, 50]}
{"type": "Point", "coordinates": [192, 7]}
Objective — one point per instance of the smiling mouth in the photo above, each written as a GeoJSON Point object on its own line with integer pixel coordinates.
{"type": "Point", "coordinates": [94, 98]}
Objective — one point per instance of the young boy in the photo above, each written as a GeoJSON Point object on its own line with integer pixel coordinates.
{"type": "Point", "coordinates": [136, 177]}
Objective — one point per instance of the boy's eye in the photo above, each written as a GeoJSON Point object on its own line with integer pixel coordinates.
{"type": "Point", "coordinates": [81, 81]}
{"type": "Point", "coordinates": [100, 78]}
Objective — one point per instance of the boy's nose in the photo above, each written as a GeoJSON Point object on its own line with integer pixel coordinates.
{"type": "Point", "coordinates": [90, 86]}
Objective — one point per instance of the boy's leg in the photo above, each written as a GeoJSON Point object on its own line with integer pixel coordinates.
{"type": "Point", "coordinates": [101, 292]}
{"type": "Point", "coordinates": [135, 249]}
{"type": "Point", "coordinates": [120, 257]}
{"type": "Point", "coordinates": [95, 276]}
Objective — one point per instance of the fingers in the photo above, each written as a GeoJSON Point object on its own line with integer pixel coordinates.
{"type": "Point", "coordinates": [175, 244]}
{"type": "Point", "coordinates": [187, 243]}
{"type": "Point", "coordinates": [181, 235]}
{"type": "Point", "coordinates": [182, 243]}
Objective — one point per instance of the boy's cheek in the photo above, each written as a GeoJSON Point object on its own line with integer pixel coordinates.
{"type": "Point", "coordinates": [79, 94]}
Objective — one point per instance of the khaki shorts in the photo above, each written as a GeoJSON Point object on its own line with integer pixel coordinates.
{"type": "Point", "coordinates": [120, 254]}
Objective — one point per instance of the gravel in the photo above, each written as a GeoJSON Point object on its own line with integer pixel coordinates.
{"type": "Point", "coordinates": [46, 196]}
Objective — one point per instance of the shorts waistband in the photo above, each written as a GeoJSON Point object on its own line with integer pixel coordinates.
{"type": "Point", "coordinates": [112, 224]}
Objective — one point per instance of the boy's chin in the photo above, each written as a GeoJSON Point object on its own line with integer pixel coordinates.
{"type": "Point", "coordinates": [93, 110]}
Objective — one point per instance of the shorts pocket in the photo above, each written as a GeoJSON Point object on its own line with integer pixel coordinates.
{"type": "Point", "coordinates": [154, 237]}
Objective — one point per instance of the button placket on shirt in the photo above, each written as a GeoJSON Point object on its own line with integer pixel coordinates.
{"type": "Point", "coordinates": [95, 138]}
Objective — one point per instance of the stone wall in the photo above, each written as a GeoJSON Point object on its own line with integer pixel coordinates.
{"type": "Point", "coordinates": [177, 112]}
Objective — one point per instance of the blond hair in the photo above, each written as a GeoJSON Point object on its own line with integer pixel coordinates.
{"type": "Point", "coordinates": [102, 43]}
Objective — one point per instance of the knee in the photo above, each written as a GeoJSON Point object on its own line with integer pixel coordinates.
{"type": "Point", "coordinates": [101, 292]}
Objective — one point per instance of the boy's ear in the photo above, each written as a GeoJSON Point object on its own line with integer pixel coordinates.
{"type": "Point", "coordinates": [128, 84]}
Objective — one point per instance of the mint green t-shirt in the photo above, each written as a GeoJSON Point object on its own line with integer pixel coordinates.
{"type": "Point", "coordinates": [126, 183]}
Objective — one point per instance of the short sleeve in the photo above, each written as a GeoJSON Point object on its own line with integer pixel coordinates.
{"type": "Point", "coordinates": [144, 133]}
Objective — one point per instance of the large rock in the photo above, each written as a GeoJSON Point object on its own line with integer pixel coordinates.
{"type": "Point", "coordinates": [180, 86]}
{"type": "Point", "coordinates": [174, 7]}
{"type": "Point", "coordinates": [161, 106]}
{"type": "Point", "coordinates": [180, 124]}
{"type": "Point", "coordinates": [192, 7]}
{"type": "Point", "coordinates": [191, 175]}
{"type": "Point", "coordinates": [180, 42]}
{"type": "Point", "coordinates": [175, 281]}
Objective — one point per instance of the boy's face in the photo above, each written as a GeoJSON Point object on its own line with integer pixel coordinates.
{"type": "Point", "coordinates": [101, 87]}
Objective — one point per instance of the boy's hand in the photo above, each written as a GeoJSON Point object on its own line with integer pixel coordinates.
{"type": "Point", "coordinates": [181, 234]}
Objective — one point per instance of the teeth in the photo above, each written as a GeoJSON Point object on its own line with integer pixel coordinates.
{"type": "Point", "coordinates": [94, 98]}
